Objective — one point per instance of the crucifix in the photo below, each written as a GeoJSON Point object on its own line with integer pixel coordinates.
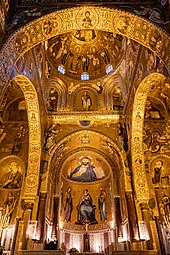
{"type": "Point", "coordinates": [86, 238]}
{"type": "Point", "coordinates": [87, 224]}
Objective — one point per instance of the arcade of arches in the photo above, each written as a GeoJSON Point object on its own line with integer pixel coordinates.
{"type": "Point", "coordinates": [85, 134]}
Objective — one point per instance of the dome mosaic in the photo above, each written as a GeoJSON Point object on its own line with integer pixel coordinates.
{"type": "Point", "coordinates": [90, 52]}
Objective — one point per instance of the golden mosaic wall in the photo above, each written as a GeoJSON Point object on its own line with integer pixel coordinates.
{"type": "Point", "coordinates": [141, 186]}
{"type": "Point", "coordinates": [32, 105]}
{"type": "Point", "coordinates": [64, 21]}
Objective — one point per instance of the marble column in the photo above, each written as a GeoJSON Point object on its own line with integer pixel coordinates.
{"type": "Point", "coordinates": [41, 216]}
{"type": "Point", "coordinates": [132, 217]}
{"type": "Point", "coordinates": [147, 218]}
{"type": "Point", "coordinates": [27, 206]}
{"type": "Point", "coordinates": [55, 217]}
{"type": "Point", "coordinates": [118, 217]}
{"type": "Point", "coordinates": [15, 235]}
{"type": "Point", "coordinates": [158, 236]}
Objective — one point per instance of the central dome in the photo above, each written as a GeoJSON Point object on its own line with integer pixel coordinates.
{"type": "Point", "coordinates": [90, 52]}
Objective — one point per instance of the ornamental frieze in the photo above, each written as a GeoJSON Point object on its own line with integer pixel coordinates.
{"type": "Point", "coordinates": [64, 21]}
{"type": "Point", "coordinates": [142, 192]}
{"type": "Point", "coordinates": [32, 177]}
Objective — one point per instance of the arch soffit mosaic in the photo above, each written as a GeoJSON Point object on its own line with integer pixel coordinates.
{"type": "Point", "coordinates": [142, 191]}
{"type": "Point", "coordinates": [34, 155]}
{"type": "Point", "coordinates": [79, 142]}
{"type": "Point", "coordinates": [109, 148]}
{"type": "Point", "coordinates": [64, 21]}
{"type": "Point", "coordinates": [161, 104]}
{"type": "Point", "coordinates": [111, 84]}
{"type": "Point", "coordinates": [60, 86]}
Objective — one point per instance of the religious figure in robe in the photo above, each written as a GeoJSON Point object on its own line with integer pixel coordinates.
{"type": "Point", "coordinates": [86, 209]}
{"type": "Point", "coordinates": [102, 205]}
{"type": "Point", "coordinates": [87, 22]}
{"type": "Point", "coordinates": [151, 112]}
{"type": "Point", "coordinates": [164, 208]}
{"type": "Point", "coordinates": [13, 178]}
{"type": "Point", "coordinates": [85, 172]}
{"type": "Point", "coordinates": [68, 206]}
{"type": "Point", "coordinates": [50, 137]}
{"type": "Point", "coordinates": [7, 208]}
{"type": "Point", "coordinates": [86, 102]}
{"type": "Point", "coordinates": [157, 172]}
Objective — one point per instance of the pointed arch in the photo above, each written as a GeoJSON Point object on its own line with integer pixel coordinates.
{"type": "Point", "coordinates": [139, 174]}
{"type": "Point", "coordinates": [73, 143]}
{"type": "Point", "coordinates": [109, 86]}
{"type": "Point", "coordinates": [34, 154]}
{"type": "Point", "coordinates": [61, 88]}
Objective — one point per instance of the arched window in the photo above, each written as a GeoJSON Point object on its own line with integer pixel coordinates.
{"type": "Point", "coordinates": [109, 68]}
{"type": "Point", "coordinates": [84, 76]}
{"type": "Point", "coordinates": [61, 69]}
{"type": "Point", "coordinates": [117, 99]}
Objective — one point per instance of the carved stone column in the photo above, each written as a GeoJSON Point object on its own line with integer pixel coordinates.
{"type": "Point", "coordinates": [41, 216]}
{"type": "Point", "coordinates": [55, 216]}
{"type": "Point", "coordinates": [133, 226]}
{"type": "Point", "coordinates": [147, 218]}
{"type": "Point", "coordinates": [15, 235]}
{"type": "Point", "coordinates": [118, 217]}
{"type": "Point", "coordinates": [157, 235]}
{"type": "Point", "coordinates": [27, 206]}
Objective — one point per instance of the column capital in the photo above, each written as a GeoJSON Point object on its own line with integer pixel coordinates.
{"type": "Point", "coordinates": [27, 204]}
{"type": "Point", "coordinates": [144, 206]}
{"type": "Point", "coordinates": [43, 195]}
